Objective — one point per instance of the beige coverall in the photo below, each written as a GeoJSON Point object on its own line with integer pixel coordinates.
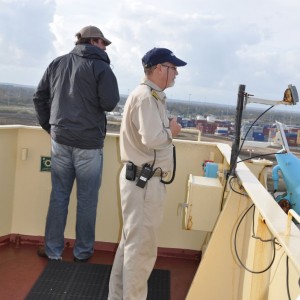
{"type": "Point", "coordinates": [145, 127]}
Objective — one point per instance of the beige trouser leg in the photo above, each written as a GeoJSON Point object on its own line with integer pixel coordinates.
{"type": "Point", "coordinates": [142, 211]}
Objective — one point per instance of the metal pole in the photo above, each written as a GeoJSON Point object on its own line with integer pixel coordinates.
{"type": "Point", "coordinates": [238, 123]}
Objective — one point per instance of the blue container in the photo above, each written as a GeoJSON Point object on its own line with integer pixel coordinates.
{"type": "Point", "coordinates": [258, 136]}
{"type": "Point", "coordinates": [211, 170]}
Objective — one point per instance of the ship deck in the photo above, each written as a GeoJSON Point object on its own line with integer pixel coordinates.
{"type": "Point", "coordinates": [20, 267]}
{"type": "Point", "coordinates": [201, 219]}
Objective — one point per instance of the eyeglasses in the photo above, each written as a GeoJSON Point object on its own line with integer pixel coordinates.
{"type": "Point", "coordinates": [174, 68]}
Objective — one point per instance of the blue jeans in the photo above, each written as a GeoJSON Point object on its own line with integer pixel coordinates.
{"type": "Point", "coordinates": [67, 164]}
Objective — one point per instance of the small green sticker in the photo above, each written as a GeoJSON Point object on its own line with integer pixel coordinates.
{"type": "Point", "coordinates": [45, 164]}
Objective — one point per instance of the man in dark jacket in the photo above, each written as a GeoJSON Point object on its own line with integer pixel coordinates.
{"type": "Point", "coordinates": [70, 101]}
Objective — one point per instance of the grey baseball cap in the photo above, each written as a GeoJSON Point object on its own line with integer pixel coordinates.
{"type": "Point", "coordinates": [93, 32]}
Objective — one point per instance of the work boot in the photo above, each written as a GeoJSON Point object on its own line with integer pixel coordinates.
{"type": "Point", "coordinates": [41, 253]}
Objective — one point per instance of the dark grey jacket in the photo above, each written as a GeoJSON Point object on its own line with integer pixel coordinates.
{"type": "Point", "coordinates": [73, 95]}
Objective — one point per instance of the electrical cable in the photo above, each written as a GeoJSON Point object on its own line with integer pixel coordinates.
{"type": "Point", "coordinates": [257, 237]}
{"type": "Point", "coordinates": [233, 177]}
{"type": "Point", "coordinates": [244, 138]}
{"type": "Point", "coordinates": [174, 169]}
{"type": "Point", "coordinates": [223, 194]}
{"type": "Point", "coordinates": [224, 189]}
{"type": "Point", "coordinates": [287, 278]}
{"type": "Point", "coordinates": [261, 155]}
{"type": "Point", "coordinates": [253, 235]}
{"type": "Point", "coordinates": [245, 213]}
{"type": "Point", "coordinates": [237, 155]}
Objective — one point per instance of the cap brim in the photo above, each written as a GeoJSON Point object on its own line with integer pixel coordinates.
{"type": "Point", "coordinates": [106, 41]}
{"type": "Point", "coordinates": [177, 62]}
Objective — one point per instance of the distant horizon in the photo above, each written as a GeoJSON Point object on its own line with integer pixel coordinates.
{"type": "Point", "coordinates": [254, 106]}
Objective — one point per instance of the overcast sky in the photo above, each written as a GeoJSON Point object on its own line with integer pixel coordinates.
{"type": "Point", "coordinates": [225, 42]}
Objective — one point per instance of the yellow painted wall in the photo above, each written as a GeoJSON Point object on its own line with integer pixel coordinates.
{"type": "Point", "coordinates": [8, 154]}
{"type": "Point", "coordinates": [27, 189]}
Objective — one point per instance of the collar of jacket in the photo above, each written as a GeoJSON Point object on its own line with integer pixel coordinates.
{"type": "Point", "coordinates": [91, 52]}
{"type": "Point", "coordinates": [155, 91]}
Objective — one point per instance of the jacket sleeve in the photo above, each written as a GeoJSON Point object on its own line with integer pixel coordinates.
{"type": "Point", "coordinates": [41, 100]}
{"type": "Point", "coordinates": [108, 90]}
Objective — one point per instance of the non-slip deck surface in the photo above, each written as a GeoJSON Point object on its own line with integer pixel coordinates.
{"type": "Point", "coordinates": [78, 281]}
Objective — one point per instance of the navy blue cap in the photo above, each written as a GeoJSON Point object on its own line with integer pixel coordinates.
{"type": "Point", "coordinates": [161, 55]}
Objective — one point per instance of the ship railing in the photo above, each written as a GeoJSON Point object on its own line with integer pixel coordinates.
{"type": "Point", "coordinates": [291, 214]}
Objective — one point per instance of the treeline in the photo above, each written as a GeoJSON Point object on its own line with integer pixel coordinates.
{"type": "Point", "coordinates": [16, 95]}
{"type": "Point", "coordinates": [13, 95]}
{"type": "Point", "coordinates": [20, 95]}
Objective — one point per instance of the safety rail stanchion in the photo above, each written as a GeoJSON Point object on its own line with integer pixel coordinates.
{"type": "Point", "coordinates": [291, 214]}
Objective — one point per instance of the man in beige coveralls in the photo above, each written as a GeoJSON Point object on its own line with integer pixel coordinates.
{"type": "Point", "coordinates": [145, 140]}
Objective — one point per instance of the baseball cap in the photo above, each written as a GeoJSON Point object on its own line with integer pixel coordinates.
{"type": "Point", "coordinates": [160, 55]}
{"type": "Point", "coordinates": [93, 32]}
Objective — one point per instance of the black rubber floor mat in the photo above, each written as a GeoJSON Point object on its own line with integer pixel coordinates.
{"type": "Point", "coordinates": [68, 280]}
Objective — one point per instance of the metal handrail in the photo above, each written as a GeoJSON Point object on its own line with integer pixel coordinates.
{"type": "Point", "coordinates": [192, 130]}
